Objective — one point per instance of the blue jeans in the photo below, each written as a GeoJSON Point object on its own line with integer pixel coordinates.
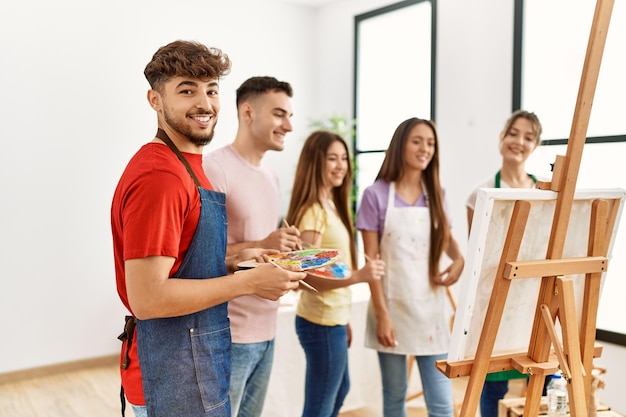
{"type": "Point", "coordinates": [140, 410]}
{"type": "Point", "coordinates": [251, 365]}
{"type": "Point", "coordinates": [493, 391]}
{"type": "Point", "coordinates": [436, 386]}
{"type": "Point", "coordinates": [327, 381]}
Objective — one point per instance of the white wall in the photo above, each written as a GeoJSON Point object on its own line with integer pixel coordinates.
{"type": "Point", "coordinates": [612, 360]}
{"type": "Point", "coordinates": [73, 111]}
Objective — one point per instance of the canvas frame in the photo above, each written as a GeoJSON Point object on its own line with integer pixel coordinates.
{"type": "Point", "coordinates": [491, 220]}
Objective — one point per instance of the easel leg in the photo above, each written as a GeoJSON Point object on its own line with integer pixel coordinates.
{"type": "Point", "coordinates": [598, 246]}
{"type": "Point", "coordinates": [571, 346]}
{"type": "Point", "coordinates": [533, 395]}
{"type": "Point", "coordinates": [495, 309]}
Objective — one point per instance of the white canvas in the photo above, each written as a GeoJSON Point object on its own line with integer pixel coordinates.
{"type": "Point", "coordinates": [489, 228]}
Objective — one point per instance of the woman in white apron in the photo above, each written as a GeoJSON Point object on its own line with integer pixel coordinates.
{"type": "Point", "coordinates": [402, 219]}
{"type": "Point", "coordinates": [519, 138]}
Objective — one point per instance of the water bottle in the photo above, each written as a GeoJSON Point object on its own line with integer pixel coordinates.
{"type": "Point", "coordinates": [557, 396]}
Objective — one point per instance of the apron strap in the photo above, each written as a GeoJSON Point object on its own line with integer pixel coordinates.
{"type": "Point", "coordinates": [123, 400]}
{"type": "Point", "coordinates": [126, 336]}
{"type": "Point", "coordinates": [165, 138]}
{"type": "Point", "coordinates": [391, 198]}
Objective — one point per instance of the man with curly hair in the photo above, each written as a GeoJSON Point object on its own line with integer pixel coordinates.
{"type": "Point", "coordinates": [169, 239]}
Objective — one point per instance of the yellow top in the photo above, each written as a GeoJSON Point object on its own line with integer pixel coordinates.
{"type": "Point", "coordinates": [327, 308]}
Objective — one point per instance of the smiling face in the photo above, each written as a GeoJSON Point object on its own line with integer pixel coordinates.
{"type": "Point", "coordinates": [419, 147]}
{"type": "Point", "coordinates": [269, 119]}
{"type": "Point", "coordinates": [519, 141]}
{"type": "Point", "coordinates": [188, 107]}
{"type": "Point", "coordinates": [335, 165]}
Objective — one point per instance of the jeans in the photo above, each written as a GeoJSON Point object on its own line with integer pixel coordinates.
{"type": "Point", "coordinates": [251, 365]}
{"type": "Point", "coordinates": [140, 410]}
{"type": "Point", "coordinates": [327, 381]}
{"type": "Point", "coordinates": [493, 391]}
{"type": "Point", "coordinates": [436, 386]}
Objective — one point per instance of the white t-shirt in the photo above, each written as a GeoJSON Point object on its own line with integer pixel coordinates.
{"type": "Point", "coordinates": [486, 183]}
{"type": "Point", "coordinates": [489, 182]}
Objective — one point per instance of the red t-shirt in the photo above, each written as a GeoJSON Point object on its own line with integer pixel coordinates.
{"type": "Point", "coordinates": [155, 212]}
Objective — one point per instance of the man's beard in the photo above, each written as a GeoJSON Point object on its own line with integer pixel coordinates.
{"type": "Point", "coordinates": [183, 129]}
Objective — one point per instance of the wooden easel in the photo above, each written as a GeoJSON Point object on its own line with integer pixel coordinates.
{"type": "Point", "coordinates": [556, 296]}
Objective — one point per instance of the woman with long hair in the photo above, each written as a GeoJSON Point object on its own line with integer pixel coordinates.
{"type": "Point", "coordinates": [403, 219]}
{"type": "Point", "coordinates": [320, 209]}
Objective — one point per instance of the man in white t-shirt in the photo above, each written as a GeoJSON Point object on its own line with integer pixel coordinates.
{"type": "Point", "coordinates": [253, 209]}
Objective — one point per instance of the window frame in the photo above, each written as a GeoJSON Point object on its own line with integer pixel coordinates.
{"type": "Point", "coordinates": [518, 54]}
{"type": "Point", "coordinates": [358, 20]}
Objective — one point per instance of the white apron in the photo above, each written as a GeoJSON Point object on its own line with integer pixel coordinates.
{"type": "Point", "coordinates": [417, 311]}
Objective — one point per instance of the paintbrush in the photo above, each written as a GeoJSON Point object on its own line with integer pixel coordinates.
{"type": "Point", "coordinates": [309, 286]}
{"type": "Point", "coordinates": [298, 244]}
{"type": "Point", "coordinates": [302, 282]}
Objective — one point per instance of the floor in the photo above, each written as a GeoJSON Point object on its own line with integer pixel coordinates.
{"type": "Point", "coordinates": [415, 407]}
{"type": "Point", "coordinates": [94, 392]}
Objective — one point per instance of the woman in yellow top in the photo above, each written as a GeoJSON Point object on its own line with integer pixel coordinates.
{"type": "Point", "coordinates": [320, 208]}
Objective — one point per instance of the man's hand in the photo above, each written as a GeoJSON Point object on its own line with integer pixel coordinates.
{"type": "Point", "coordinates": [284, 239]}
{"type": "Point", "coordinates": [246, 255]}
{"type": "Point", "coordinates": [271, 282]}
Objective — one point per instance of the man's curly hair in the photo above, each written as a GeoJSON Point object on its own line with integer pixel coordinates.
{"type": "Point", "coordinates": [186, 59]}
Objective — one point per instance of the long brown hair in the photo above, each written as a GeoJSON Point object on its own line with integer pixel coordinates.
{"type": "Point", "coordinates": [392, 170]}
{"type": "Point", "coordinates": [309, 179]}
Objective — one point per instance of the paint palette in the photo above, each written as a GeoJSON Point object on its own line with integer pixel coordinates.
{"type": "Point", "coordinates": [305, 259]}
{"type": "Point", "coordinates": [337, 270]}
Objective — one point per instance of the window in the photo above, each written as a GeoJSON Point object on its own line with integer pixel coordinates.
{"type": "Point", "coordinates": [394, 78]}
{"type": "Point", "coordinates": [550, 46]}
{"type": "Point", "coordinates": [551, 42]}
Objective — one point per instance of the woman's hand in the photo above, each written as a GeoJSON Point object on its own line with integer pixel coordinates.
{"type": "Point", "coordinates": [452, 273]}
{"type": "Point", "coordinates": [373, 270]}
{"type": "Point", "coordinates": [385, 332]}
{"type": "Point", "coordinates": [349, 332]}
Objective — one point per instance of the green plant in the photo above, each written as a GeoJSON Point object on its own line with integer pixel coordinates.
{"type": "Point", "coordinates": [341, 125]}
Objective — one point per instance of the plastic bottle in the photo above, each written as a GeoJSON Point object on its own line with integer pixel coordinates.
{"type": "Point", "coordinates": [557, 396]}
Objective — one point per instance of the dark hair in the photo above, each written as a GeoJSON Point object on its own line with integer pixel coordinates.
{"type": "Point", "coordinates": [392, 169]}
{"type": "Point", "coordinates": [185, 59]}
{"type": "Point", "coordinates": [259, 85]}
{"type": "Point", "coordinates": [530, 116]}
{"type": "Point", "coordinates": [309, 178]}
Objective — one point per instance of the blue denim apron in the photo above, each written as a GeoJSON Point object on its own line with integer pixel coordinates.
{"type": "Point", "coordinates": [185, 361]}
